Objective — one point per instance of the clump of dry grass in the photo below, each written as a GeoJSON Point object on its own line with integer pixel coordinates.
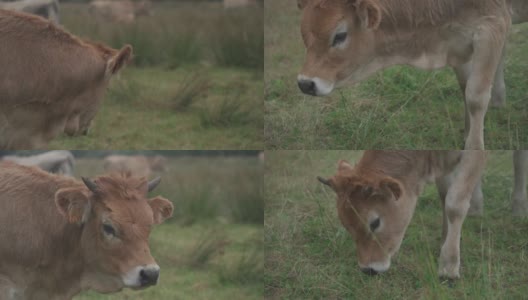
{"type": "Point", "coordinates": [209, 247]}
{"type": "Point", "coordinates": [193, 88]}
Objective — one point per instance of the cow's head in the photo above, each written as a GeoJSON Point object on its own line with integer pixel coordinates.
{"type": "Point", "coordinates": [373, 210]}
{"type": "Point", "coordinates": [339, 36]}
{"type": "Point", "coordinates": [86, 105]}
{"type": "Point", "coordinates": [116, 219]}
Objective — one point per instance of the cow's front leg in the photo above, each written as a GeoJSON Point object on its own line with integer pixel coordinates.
{"type": "Point", "coordinates": [487, 54]}
{"type": "Point", "coordinates": [520, 199]}
{"type": "Point", "coordinates": [456, 206]}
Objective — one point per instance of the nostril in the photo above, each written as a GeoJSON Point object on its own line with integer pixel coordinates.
{"type": "Point", "coordinates": [369, 271]}
{"type": "Point", "coordinates": [307, 86]}
{"type": "Point", "coordinates": [148, 277]}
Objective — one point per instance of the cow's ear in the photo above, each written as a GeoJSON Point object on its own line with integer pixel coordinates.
{"type": "Point", "coordinates": [368, 13]}
{"type": "Point", "coordinates": [73, 204]}
{"type": "Point", "coordinates": [161, 209]}
{"type": "Point", "coordinates": [392, 186]}
{"type": "Point", "coordinates": [118, 61]}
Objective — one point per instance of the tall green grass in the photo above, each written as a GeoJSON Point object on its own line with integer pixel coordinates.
{"type": "Point", "coordinates": [181, 33]}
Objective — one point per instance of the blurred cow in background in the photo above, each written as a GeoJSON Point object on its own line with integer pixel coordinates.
{"type": "Point", "coordinates": [121, 11]}
{"type": "Point", "coordinates": [48, 9]}
{"type": "Point", "coordinates": [240, 3]}
{"type": "Point", "coordinates": [138, 165]}
{"type": "Point", "coordinates": [57, 162]}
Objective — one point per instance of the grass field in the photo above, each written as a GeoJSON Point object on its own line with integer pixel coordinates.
{"type": "Point", "coordinates": [212, 248]}
{"type": "Point", "coordinates": [195, 82]}
{"type": "Point", "coordinates": [309, 255]}
{"type": "Point", "coordinates": [400, 108]}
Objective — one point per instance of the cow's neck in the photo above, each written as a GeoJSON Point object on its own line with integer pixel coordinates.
{"type": "Point", "coordinates": [57, 272]}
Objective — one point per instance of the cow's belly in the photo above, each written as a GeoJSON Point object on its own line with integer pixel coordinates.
{"type": "Point", "coordinates": [452, 46]}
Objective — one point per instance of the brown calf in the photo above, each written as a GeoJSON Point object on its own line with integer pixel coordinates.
{"type": "Point", "coordinates": [62, 236]}
{"type": "Point", "coordinates": [349, 40]}
{"type": "Point", "coordinates": [51, 81]}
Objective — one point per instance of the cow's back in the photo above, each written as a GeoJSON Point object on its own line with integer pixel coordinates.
{"type": "Point", "coordinates": [41, 62]}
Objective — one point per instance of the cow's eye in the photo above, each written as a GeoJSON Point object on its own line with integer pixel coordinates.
{"type": "Point", "coordinates": [339, 39]}
{"type": "Point", "coordinates": [375, 224]}
{"type": "Point", "coordinates": [109, 230]}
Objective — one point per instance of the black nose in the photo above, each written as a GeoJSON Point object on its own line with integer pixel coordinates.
{"type": "Point", "coordinates": [369, 271]}
{"type": "Point", "coordinates": [307, 86]}
{"type": "Point", "coordinates": [148, 277]}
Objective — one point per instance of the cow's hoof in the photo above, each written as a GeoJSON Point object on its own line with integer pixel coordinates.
{"type": "Point", "coordinates": [446, 274]}
{"type": "Point", "coordinates": [448, 281]}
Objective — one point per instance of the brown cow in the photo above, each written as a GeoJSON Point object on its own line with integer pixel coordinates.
{"type": "Point", "coordinates": [138, 165]}
{"type": "Point", "coordinates": [349, 40]}
{"type": "Point", "coordinates": [51, 81]}
{"type": "Point", "coordinates": [62, 236]}
{"type": "Point", "coordinates": [376, 199]}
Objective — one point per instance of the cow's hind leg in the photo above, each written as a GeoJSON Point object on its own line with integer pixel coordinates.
{"type": "Point", "coordinates": [476, 205]}
{"type": "Point", "coordinates": [520, 199]}
{"type": "Point", "coordinates": [457, 202]}
{"type": "Point", "coordinates": [487, 54]}
{"type": "Point", "coordinates": [462, 73]}
{"type": "Point", "coordinates": [498, 92]}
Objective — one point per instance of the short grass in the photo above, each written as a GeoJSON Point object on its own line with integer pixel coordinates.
{"type": "Point", "coordinates": [214, 256]}
{"type": "Point", "coordinates": [143, 108]}
{"type": "Point", "coordinates": [400, 108]}
{"type": "Point", "coordinates": [309, 255]}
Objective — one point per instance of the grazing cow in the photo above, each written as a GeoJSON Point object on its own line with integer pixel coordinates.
{"type": "Point", "coordinates": [48, 9]}
{"type": "Point", "coordinates": [138, 165]}
{"type": "Point", "coordinates": [57, 162]}
{"type": "Point", "coordinates": [349, 40]}
{"type": "Point", "coordinates": [121, 11]}
{"type": "Point", "coordinates": [376, 199]}
{"type": "Point", "coordinates": [66, 236]}
{"type": "Point", "coordinates": [51, 81]}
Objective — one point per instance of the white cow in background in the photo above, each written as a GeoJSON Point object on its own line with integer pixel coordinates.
{"type": "Point", "coordinates": [57, 162]}
{"type": "Point", "coordinates": [48, 9]}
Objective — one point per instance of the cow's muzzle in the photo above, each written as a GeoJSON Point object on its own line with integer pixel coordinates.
{"type": "Point", "coordinates": [307, 86]}
{"type": "Point", "coordinates": [369, 271]}
{"type": "Point", "coordinates": [148, 277]}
